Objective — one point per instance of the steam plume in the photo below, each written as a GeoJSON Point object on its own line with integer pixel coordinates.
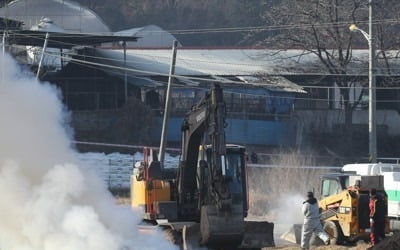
{"type": "Point", "coordinates": [47, 200]}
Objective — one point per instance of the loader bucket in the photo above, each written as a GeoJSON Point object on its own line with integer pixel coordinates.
{"type": "Point", "coordinates": [258, 234]}
{"type": "Point", "coordinates": [293, 234]}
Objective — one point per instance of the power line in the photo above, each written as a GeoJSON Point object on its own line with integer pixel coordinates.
{"type": "Point", "coordinates": [83, 63]}
{"type": "Point", "coordinates": [275, 27]}
{"type": "Point", "coordinates": [303, 68]}
{"type": "Point", "coordinates": [100, 65]}
{"type": "Point", "coordinates": [120, 145]}
{"type": "Point", "coordinates": [255, 65]}
{"type": "Point", "coordinates": [211, 80]}
{"type": "Point", "coordinates": [224, 63]}
{"type": "Point", "coordinates": [253, 28]}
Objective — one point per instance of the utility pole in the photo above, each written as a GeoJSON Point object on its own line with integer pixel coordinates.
{"type": "Point", "coordinates": [371, 83]}
{"type": "Point", "coordinates": [370, 36]}
{"type": "Point", "coordinates": [4, 42]}
{"type": "Point", "coordinates": [42, 56]}
{"type": "Point", "coordinates": [372, 88]}
{"type": "Point", "coordinates": [167, 106]}
{"type": "Point", "coordinates": [125, 75]}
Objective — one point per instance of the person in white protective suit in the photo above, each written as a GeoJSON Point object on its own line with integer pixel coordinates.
{"type": "Point", "coordinates": [312, 222]}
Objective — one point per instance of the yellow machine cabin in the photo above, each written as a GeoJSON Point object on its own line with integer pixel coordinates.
{"type": "Point", "coordinates": [151, 189]}
{"type": "Point", "coordinates": [149, 192]}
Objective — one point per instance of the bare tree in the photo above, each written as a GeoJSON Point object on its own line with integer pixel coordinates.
{"type": "Point", "coordinates": [320, 27]}
{"type": "Point", "coordinates": [387, 17]}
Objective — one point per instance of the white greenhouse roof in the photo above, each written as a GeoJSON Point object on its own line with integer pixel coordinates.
{"type": "Point", "coordinates": [150, 36]}
{"type": "Point", "coordinates": [66, 14]}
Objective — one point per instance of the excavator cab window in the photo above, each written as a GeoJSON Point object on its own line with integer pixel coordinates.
{"type": "Point", "coordinates": [233, 170]}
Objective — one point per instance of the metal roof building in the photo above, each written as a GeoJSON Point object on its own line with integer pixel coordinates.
{"type": "Point", "coordinates": [150, 36]}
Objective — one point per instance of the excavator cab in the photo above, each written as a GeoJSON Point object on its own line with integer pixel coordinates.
{"type": "Point", "coordinates": [221, 195]}
{"type": "Point", "coordinates": [229, 225]}
{"type": "Point", "coordinates": [235, 172]}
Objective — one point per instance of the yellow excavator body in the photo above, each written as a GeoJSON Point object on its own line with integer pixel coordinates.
{"type": "Point", "coordinates": [146, 193]}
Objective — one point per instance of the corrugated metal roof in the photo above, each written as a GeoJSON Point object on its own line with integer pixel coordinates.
{"type": "Point", "coordinates": [61, 40]}
{"type": "Point", "coordinates": [226, 66]}
{"type": "Point", "coordinates": [244, 62]}
{"type": "Point", "coordinates": [191, 62]}
{"type": "Point", "coordinates": [8, 24]}
{"type": "Point", "coordinates": [279, 83]}
{"type": "Point", "coordinates": [251, 66]}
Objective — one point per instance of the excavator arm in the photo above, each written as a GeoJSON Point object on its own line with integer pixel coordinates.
{"type": "Point", "coordinates": [204, 124]}
{"type": "Point", "coordinates": [205, 186]}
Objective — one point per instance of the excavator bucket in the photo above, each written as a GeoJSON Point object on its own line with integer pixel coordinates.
{"type": "Point", "coordinates": [191, 237]}
{"type": "Point", "coordinates": [293, 234]}
{"type": "Point", "coordinates": [218, 230]}
{"type": "Point", "coordinates": [258, 234]}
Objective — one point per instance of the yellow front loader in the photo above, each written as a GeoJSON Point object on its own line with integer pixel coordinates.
{"type": "Point", "coordinates": [344, 207]}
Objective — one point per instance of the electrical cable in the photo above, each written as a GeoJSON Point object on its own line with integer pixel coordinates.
{"type": "Point", "coordinates": [250, 28]}
{"type": "Point", "coordinates": [241, 64]}
{"type": "Point", "coordinates": [202, 79]}
{"type": "Point", "coordinates": [101, 65]}
{"type": "Point", "coordinates": [259, 95]}
{"type": "Point", "coordinates": [120, 145]}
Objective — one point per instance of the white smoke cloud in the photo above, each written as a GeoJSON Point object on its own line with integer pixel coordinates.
{"type": "Point", "coordinates": [47, 201]}
{"type": "Point", "coordinates": [289, 209]}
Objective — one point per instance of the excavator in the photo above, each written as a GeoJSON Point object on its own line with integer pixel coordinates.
{"type": "Point", "coordinates": [204, 201]}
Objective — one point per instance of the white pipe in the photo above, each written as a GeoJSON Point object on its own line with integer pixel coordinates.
{"type": "Point", "coordinates": [42, 56]}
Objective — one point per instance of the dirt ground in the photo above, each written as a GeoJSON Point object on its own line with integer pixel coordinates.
{"type": "Point", "coordinates": [390, 243]}
{"type": "Point", "coordinates": [361, 246]}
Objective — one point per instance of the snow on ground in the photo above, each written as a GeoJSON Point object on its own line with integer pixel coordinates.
{"type": "Point", "coordinates": [115, 169]}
